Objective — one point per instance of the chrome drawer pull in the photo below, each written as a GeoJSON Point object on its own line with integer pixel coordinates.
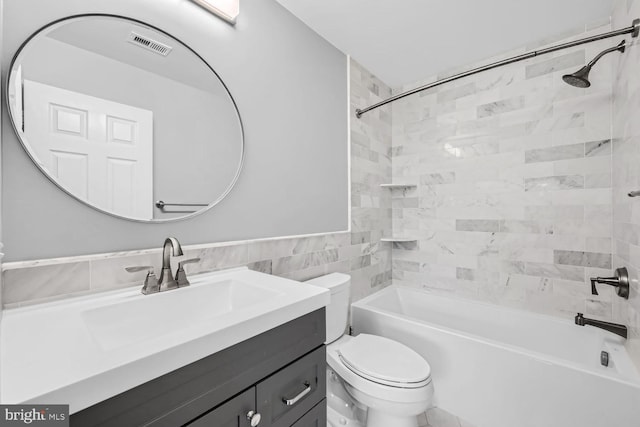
{"type": "Point", "coordinates": [303, 393]}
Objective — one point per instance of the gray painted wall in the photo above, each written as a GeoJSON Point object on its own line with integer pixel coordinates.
{"type": "Point", "coordinates": [291, 89]}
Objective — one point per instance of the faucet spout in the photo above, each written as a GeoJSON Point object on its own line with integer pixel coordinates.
{"type": "Point", "coordinates": [166, 280]}
{"type": "Point", "coordinates": [176, 250]}
{"type": "Point", "coordinates": [607, 326]}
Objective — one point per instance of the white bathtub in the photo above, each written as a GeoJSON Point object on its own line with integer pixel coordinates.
{"type": "Point", "coordinates": [498, 367]}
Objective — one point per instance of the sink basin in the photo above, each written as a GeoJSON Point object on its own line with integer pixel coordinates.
{"type": "Point", "coordinates": [147, 317]}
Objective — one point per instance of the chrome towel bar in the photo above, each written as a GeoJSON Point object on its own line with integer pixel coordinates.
{"type": "Point", "coordinates": [161, 204]}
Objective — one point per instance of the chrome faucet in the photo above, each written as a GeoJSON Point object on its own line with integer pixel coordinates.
{"type": "Point", "coordinates": [607, 326]}
{"type": "Point", "coordinates": [166, 280]}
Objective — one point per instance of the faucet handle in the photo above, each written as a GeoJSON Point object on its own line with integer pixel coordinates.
{"type": "Point", "coordinates": [594, 291]}
{"type": "Point", "coordinates": [181, 275]}
{"type": "Point", "coordinates": [138, 268]}
{"type": "Point", "coordinates": [187, 261]}
{"type": "Point", "coordinates": [151, 285]}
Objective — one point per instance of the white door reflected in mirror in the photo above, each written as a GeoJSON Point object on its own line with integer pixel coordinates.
{"type": "Point", "coordinates": [120, 114]}
{"type": "Point", "coordinates": [98, 150]}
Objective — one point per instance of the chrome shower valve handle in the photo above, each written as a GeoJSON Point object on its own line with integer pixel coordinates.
{"type": "Point", "coordinates": [620, 281]}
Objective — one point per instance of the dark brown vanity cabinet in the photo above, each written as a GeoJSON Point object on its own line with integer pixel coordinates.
{"type": "Point", "coordinates": [277, 401]}
{"type": "Point", "coordinates": [235, 413]}
{"type": "Point", "coordinates": [277, 377]}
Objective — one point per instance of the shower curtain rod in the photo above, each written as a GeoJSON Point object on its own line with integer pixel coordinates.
{"type": "Point", "coordinates": [634, 30]}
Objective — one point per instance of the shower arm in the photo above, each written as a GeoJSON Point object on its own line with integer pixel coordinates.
{"type": "Point", "coordinates": [604, 52]}
{"type": "Point", "coordinates": [634, 30]}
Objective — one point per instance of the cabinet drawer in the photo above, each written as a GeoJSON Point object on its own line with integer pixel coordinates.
{"type": "Point", "coordinates": [290, 393]}
{"type": "Point", "coordinates": [230, 414]}
{"type": "Point", "coordinates": [317, 417]}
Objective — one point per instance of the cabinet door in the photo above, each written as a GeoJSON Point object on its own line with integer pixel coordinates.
{"type": "Point", "coordinates": [230, 414]}
{"type": "Point", "coordinates": [317, 417]}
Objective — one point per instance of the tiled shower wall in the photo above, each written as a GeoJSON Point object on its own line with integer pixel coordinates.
{"type": "Point", "coordinates": [359, 253]}
{"type": "Point", "coordinates": [370, 167]}
{"type": "Point", "coordinates": [626, 175]}
{"type": "Point", "coordinates": [513, 174]}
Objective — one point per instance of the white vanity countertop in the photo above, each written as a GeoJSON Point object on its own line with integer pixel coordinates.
{"type": "Point", "coordinates": [69, 352]}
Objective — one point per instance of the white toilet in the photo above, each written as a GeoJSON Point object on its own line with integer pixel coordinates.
{"type": "Point", "coordinates": [372, 381]}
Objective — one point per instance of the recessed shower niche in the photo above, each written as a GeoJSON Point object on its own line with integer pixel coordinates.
{"type": "Point", "coordinates": [125, 118]}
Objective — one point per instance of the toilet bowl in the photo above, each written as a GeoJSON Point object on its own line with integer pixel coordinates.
{"type": "Point", "coordinates": [372, 381]}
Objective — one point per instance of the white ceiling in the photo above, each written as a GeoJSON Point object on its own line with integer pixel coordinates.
{"type": "Point", "coordinates": [403, 41]}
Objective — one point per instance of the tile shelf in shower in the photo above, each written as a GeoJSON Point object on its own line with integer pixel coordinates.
{"type": "Point", "coordinates": [399, 239]}
{"type": "Point", "coordinates": [398, 185]}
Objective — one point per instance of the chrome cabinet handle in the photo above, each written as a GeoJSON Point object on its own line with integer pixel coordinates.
{"type": "Point", "coordinates": [303, 393]}
{"type": "Point", "coordinates": [254, 418]}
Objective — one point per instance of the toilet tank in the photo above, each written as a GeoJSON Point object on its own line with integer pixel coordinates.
{"type": "Point", "coordinates": [339, 285]}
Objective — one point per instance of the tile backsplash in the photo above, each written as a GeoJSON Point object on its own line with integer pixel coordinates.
{"type": "Point", "coordinates": [298, 258]}
{"type": "Point", "coordinates": [513, 174]}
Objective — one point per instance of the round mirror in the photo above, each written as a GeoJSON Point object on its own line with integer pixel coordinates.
{"type": "Point", "coordinates": [125, 118]}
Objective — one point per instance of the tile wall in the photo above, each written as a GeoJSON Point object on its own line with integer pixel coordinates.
{"type": "Point", "coordinates": [513, 173]}
{"type": "Point", "coordinates": [626, 175]}
{"type": "Point", "coordinates": [370, 167]}
{"type": "Point", "coordinates": [359, 253]}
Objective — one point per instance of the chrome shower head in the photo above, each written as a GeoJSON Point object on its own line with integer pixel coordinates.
{"type": "Point", "coordinates": [581, 77]}
{"type": "Point", "coordinates": [578, 79]}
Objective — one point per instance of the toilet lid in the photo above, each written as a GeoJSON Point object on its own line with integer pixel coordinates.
{"type": "Point", "coordinates": [385, 361]}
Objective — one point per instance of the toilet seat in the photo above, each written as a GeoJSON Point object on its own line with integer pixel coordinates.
{"type": "Point", "coordinates": [384, 362]}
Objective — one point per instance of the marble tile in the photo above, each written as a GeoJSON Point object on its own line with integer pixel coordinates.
{"type": "Point", "coordinates": [21, 285]}
{"type": "Point", "coordinates": [500, 107]}
{"type": "Point", "coordinates": [554, 183]}
{"type": "Point", "coordinates": [584, 259]}
{"type": "Point", "coordinates": [561, 152]}
{"type": "Point", "coordinates": [477, 225]}
{"type": "Point", "coordinates": [597, 148]}
{"type": "Point", "coordinates": [554, 271]}
{"type": "Point", "coordinates": [597, 180]}
{"type": "Point", "coordinates": [527, 226]}
{"type": "Point", "coordinates": [261, 266]}
{"type": "Point", "coordinates": [561, 62]}
{"type": "Point", "coordinates": [456, 92]}
{"type": "Point", "coordinates": [438, 178]}
{"type": "Point", "coordinates": [218, 258]}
